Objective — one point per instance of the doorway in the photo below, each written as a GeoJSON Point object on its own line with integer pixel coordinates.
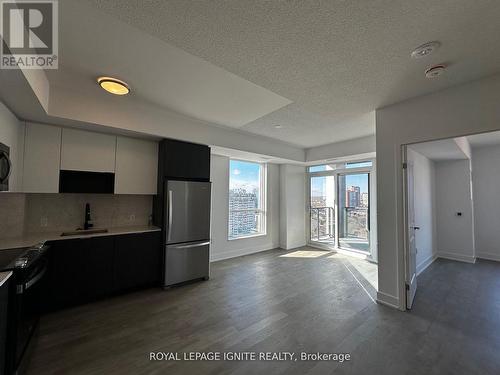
{"type": "Point", "coordinates": [354, 211]}
{"type": "Point", "coordinates": [322, 211]}
{"type": "Point", "coordinates": [340, 205]}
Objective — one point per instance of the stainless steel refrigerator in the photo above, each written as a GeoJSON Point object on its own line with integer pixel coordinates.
{"type": "Point", "coordinates": [187, 231]}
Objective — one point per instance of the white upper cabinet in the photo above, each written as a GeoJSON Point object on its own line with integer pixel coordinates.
{"type": "Point", "coordinates": [87, 151]}
{"type": "Point", "coordinates": [136, 166]}
{"type": "Point", "coordinates": [42, 157]}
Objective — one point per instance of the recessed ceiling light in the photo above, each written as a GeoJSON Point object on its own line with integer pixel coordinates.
{"type": "Point", "coordinates": [278, 126]}
{"type": "Point", "coordinates": [425, 49]}
{"type": "Point", "coordinates": [435, 71]}
{"type": "Point", "coordinates": [113, 85]}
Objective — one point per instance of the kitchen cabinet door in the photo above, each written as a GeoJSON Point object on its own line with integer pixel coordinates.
{"type": "Point", "coordinates": [81, 270]}
{"type": "Point", "coordinates": [136, 166]}
{"type": "Point", "coordinates": [98, 267]}
{"type": "Point", "coordinates": [42, 158]}
{"type": "Point", "coordinates": [183, 160]}
{"type": "Point", "coordinates": [87, 151]}
{"type": "Point", "coordinates": [138, 260]}
{"type": "Point", "coordinates": [4, 305]}
{"type": "Point", "coordinates": [66, 273]}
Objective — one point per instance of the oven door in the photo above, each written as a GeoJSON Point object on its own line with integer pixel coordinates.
{"type": "Point", "coordinates": [5, 167]}
{"type": "Point", "coordinates": [29, 292]}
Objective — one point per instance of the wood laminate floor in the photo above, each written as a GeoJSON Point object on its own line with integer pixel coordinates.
{"type": "Point", "coordinates": [296, 301]}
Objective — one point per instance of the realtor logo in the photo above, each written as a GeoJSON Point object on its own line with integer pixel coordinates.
{"type": "Point", "coordinates": [29, 34]}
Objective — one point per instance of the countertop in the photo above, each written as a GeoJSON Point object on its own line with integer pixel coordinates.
{"type": "Point", "coordinates": [4, 276]}
{"type": "Point", "coordinates": [31, 239]}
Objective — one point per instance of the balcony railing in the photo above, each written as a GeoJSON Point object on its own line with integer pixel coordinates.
{"type": "Point", "coordinates": [356, 222]}
{"type": "Point", "coordinates": [322, 223]}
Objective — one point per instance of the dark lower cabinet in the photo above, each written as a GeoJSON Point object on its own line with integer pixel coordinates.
{"type": "Point", "coordinates": [83, 270]}
{"type": "Point", "coordinates": [66, 274]}
{"type": "Point", "coordinates": [138, 260]}
{"type": "Point", "coordinates": [4, 299]}
{"type": "Point", "coordinates": [97, 267]}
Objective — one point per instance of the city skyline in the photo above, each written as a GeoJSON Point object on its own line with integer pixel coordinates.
{"type": "Point", "coordinates": [318, 184]}
{"type": "Point", "coordinates": [244, 194]}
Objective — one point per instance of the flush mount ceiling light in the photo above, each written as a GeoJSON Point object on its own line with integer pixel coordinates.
{"type": "Point", "coordinates": [435, 71]}
{"type": "Point", "coordinates": [113, 85]}
{"type": "Point", "coordinates": [278, 126]}
{"type": "Point", "coordinates": [425, 49]}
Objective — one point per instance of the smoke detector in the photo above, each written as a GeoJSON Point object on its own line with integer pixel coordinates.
{"type": "Point", "coordinates": [435, 71]}
{"type": "Point", "coordinates": [425, 49]}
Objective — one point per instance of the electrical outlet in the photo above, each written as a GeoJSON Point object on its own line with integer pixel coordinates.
{"type": "Point", "coordinates": [44, 221]}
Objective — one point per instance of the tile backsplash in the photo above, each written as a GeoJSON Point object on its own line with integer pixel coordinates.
{"type": "Point", "coordinates": [12, 208]}
{"type": "Point", "coordinates": [34, 213]}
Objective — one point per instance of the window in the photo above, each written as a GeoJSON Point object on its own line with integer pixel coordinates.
{"type": "Point", "coordinates": [322, 168]}
{"type": "Point", "coordinates": [358, 164]}
{"type": "Point", "coordinates": [338, 166]}
{"type": "Point", "coordinates": [247, 199]}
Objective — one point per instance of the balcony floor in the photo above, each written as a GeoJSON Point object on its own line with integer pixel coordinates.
{"type": "Point", "coordinates": [355, 244]}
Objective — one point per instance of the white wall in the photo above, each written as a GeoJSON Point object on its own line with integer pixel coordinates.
{"type": "Point", "coordinates": [486, 188]}
{"type": "Point", "coordinates": [458, 111]}
{"type": "Point", "coordinates": [425, 208]}
{"type": "Point", "coordinates": [344, 149]}
{"type": "Point", "coordinates": [223, 248]}
{"type": "Point", "coordinates": [455, 234]}
{"type": "Point", "coordinates": [12, 135]}
{"type": "Point", "coordinates": [292, 206]}
{"type": "Point", "coordinates": [464, 145]}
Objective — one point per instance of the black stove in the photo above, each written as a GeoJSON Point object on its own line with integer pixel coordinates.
{"type": "Point", "coordinates": [21, 258]}
{"type": "Point", "coordinates": [29, 266]}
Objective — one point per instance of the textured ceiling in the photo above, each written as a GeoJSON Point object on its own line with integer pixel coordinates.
{"type": "Point", "coordinates": [94, 44]}
{"type": "Point", "coordinates": [336, 60]}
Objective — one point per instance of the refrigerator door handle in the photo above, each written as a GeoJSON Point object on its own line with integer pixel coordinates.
{"type": "Point", "coordinates": [197, 244]}
{"type": "Point", "coordinates": [170, 195]}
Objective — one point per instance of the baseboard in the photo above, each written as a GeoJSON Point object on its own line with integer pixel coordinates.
{"type": "Point", "coordinates": [293, 246]}
{"type": "Point", "coordinates": [457, 257]}
{"type": "Point", "coordinates": [241, 252]}
{"type": "Point", "coordinates": [426, 263]}
{"type": "Point", "coordinates": [320, 247]}
{"type": "Point", "coordinates": [388, 300]}
{"type": "Point", "coordinates": [488, 256]}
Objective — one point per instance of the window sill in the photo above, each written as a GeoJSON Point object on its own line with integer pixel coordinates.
{"type": "Point", "coordinates": [249, 236]}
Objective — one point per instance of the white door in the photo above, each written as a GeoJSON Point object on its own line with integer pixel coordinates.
{"type": "Point", "coordinates": [411, 264]}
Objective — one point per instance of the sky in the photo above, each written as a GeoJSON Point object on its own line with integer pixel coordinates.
{"type": "Point", "coordinates": [244, 175]}
{"type": "Point", "coordinates": [318, 183]}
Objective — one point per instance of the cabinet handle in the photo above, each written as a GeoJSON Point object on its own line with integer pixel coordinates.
{"type": "Point", "coordinates": [170, 195]}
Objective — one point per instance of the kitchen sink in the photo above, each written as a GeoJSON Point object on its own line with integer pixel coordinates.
{"type": "Point", "coordinates": [79, 232]}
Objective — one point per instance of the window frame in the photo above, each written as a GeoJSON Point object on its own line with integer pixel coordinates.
{"type": "Point", "coordinates": [262, 210]}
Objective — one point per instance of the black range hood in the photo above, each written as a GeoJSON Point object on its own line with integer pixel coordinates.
{"type": "Point", "coordinates": [86, 182]}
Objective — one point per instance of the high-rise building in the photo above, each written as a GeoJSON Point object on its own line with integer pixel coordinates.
{"type": "Point", "coordinates": [353, 196]}
{"type": "Point", "coordinates": [364, 199]}
{"type": "Point", "coordinates": [243, 219]}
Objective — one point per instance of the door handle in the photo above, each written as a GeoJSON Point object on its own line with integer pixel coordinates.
{"type": "Point", "coordinates": [190, 245]}
{"type": "Point", "coordinates": [416, 228]}
{"type": "Point", "coordinates": [170, 195]}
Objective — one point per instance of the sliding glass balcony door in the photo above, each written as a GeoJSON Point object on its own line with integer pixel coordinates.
{"type": "Point", "coordinates": [339, 211]}
{"type": "Point", "coordinates": [322, 211]}
{"type": "Point", "coordinates": [354, 211]}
